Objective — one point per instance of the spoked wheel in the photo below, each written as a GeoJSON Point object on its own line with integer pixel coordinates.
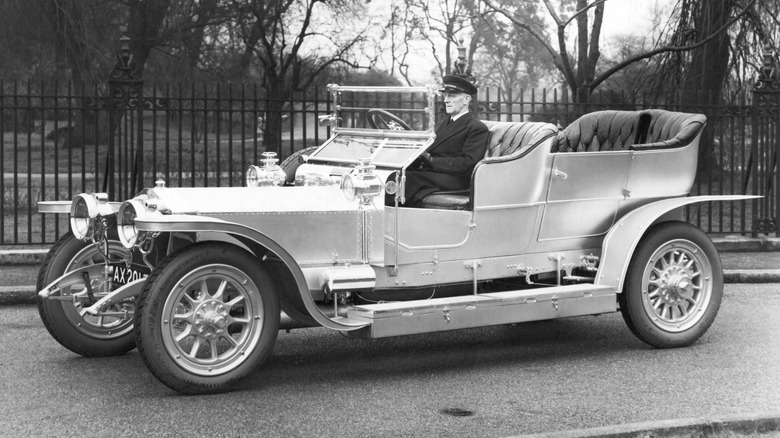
{"type": "Point", "coordinates": [674, 287]}
{"type": "Point", "coordinates": [67, 321]}
{"type": "Point", "coordinates": [381, 119]}
{"type": "Point", "coordinates": [207, 318]}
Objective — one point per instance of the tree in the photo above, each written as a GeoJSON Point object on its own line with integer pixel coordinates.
{"type": "Point", "coordinates": [583, 78]}
{"type": "Point", "coordinates": [432, 24]}
{"type": "Point", "coordinates": [510, 58]}
{"type": "Point", "coordinates": [403, 29]}
{"type": "Point", "coordinates": [23, 48]}
{"type": "Point", "coordinates": [705, 72]}
{"type": "Point", "coordinates": [189, 40]}
{"type": "Point", "coordinates": [293, 48]}
{"type": "Point", "coordinates": [79, 28]}
{"type": "Point", "coordinates": [497, 53]}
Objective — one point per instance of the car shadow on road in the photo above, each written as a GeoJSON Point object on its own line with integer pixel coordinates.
{"type": "Point", "coordinates": [326, 356]}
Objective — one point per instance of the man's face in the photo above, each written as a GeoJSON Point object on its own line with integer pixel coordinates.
{"type": "Point", "coordinates": [455, 103]}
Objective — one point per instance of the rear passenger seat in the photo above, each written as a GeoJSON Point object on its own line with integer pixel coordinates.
{"type": "Point", "coordinates": [507, 140]}
{"type": "Point", "coordinates": [624, 130]}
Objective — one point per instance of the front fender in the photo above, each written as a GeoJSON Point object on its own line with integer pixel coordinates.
{"type": "Point", "coordinates": [70, 278]}
{"type": "Point", "coordinates": [622, 239]}
{"type": "Point", "coordinates": [130, 290]}
{"type": "Point", "coordinates": [195, 224]}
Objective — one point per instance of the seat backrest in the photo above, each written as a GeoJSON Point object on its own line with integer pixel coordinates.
{"type": "Point", "coordinates": [514, 138]}
{"type": "Point", "coordinates": [507, 141]}
{"type": "Point", "coordinates": [622, 130]}
{"type": "Point", "coordinates": [673, 129]}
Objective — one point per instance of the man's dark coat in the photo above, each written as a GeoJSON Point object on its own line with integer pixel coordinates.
{"type": "Point", "coordinates": [458, 147]}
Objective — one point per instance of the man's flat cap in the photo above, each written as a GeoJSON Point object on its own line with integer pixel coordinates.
{"type": "Point", "coordinates": [457, 84]}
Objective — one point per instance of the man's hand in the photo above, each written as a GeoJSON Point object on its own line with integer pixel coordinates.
{"type": "Point", "coordinates": [426, 160]}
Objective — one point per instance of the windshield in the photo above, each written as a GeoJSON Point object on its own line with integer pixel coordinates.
{"type": "Point", "coordinates": [383, 150]}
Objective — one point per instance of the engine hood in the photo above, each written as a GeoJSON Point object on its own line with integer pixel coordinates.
{"type": "Point", "coordinates": [314, 224]}
{"type": "Point", "coordinates": [219, 200]}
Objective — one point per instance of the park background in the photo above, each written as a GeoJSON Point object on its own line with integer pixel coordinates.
{"type": "Point", "coordinates": [109, 95]}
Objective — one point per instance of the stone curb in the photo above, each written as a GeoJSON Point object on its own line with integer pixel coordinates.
{"type": "Point", "coordinates": [17, 295]}
{"type": "Point", "coordinates": [22, 256]}
{"type": "Point", "coordinates": [746, 244]}
{"type": "Point", "coordinates": [751, 275]}
{"type": "Point", "coordinates": [747, 424]}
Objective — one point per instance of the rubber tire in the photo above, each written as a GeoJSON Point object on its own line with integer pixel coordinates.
{"type": "Point", "coordinates": [293, 162]}
{"type": "Point", "coordinates": [632, 304]}
{"type": "Point", "coordinates": [53, 314]}
{"type": "Point", "coordinates": [150, 319]}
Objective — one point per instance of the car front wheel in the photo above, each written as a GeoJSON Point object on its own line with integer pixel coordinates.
{"type": "Point", "coordinates": [207, 318]}
{"type": "Point", "coordinates": [67, 320]}
{"type": "Point", "coordinates": [674, 286]}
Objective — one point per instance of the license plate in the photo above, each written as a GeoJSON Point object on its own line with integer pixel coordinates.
{"type": "Point", "coordinates": [123, 275]}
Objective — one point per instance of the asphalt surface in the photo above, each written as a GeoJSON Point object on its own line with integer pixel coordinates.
{"type": "Point", "coordinates": [744, 261]}
{"type": "Point", "coordinates": [552, 376]}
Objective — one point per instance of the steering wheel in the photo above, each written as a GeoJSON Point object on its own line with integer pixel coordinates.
{"type": "Point", "coordinates": [389, 120]}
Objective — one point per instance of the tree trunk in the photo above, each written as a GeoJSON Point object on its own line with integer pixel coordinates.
{"type": "Point", "coordinates": [272, 136]}
{"type": "Point", "coordinates": [704, 79]}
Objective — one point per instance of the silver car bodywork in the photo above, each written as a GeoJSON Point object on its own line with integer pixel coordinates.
{"type": "Point", "coordinates": [544, 232]}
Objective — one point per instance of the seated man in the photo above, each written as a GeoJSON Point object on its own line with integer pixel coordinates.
{"type": "Point", "coordinates": [461, 141]}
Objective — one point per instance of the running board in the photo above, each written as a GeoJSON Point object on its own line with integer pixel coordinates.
{"type": "Point", "coordinates": [453, 313]}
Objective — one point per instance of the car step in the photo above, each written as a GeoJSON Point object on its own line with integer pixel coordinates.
{"type": "Point", "coordinates": [453, 313]}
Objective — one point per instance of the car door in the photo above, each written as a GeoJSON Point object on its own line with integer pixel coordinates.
{"type": "Point", "coordinates": [584, 194]}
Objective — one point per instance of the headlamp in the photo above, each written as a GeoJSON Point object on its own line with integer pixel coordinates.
{"type": "Point", "coordinates": [269, 175]}
{"type": "Point", "coordinates": [361, 183]}
{"type": "Point", "coordinates": [253, 176]}
{"type": "Point", "coordinates": [128, 232]}
{"type": "Point", "coordinates": [84, 213]}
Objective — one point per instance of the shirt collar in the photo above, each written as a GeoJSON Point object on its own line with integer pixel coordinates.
{"type": "Point", "coordinates": [459, 115]}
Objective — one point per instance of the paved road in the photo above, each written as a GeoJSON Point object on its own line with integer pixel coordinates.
{"type": "Point", "coordinates": [501, 381]}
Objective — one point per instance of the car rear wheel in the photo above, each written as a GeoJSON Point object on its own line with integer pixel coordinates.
{"type": "Point", "coordinates": [674, 286]}
{"type": "Point", "coordinates": [67, 321]}
{"type": "Point", "coordinates": [207, 318]}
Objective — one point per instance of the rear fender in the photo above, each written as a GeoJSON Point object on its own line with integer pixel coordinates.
{"type": "Point", "coordinates": [251, 238]}
{"type": "Point", "coordinates": [622, 239]}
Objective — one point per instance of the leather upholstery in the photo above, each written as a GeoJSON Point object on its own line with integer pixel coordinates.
{"type": "Point", "coordinates": [510, 138]}
{"type": "Point", "coordinates": [622, 130]}
{"type": "Point", "coordinates": [597, 131]}
{"type": "Point", "coordinates": [507, 140]}
{"type": "Point", "coordinates": [456, 200]}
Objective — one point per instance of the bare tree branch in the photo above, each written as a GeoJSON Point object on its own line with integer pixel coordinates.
{"type": "Point", "coordinates": [581, 11]}
{"type": "Point", "coordinates": [560, 57]}
{"type": "Point", "coordinates": [617, 67]}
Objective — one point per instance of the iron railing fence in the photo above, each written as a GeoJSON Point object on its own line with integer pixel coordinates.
{"type": "Point", "coordinates": [59, 140]}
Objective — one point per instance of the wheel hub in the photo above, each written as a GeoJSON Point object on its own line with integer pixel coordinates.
{"type": "Point", "coordinates": [211, 319]}
{"type": "Point", "coordinates": [676, 285]}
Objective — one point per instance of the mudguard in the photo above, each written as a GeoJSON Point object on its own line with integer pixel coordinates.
{"type": "Point", "coordinates": [190, 223]}
{"type": "Point", "coordinates": [622, 239]}
{"type": "Point", "coordinates": [70, 278]}
{"type": "Point", "coordinates": [76, 276]}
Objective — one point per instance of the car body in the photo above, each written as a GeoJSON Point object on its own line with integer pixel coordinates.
{"type": "Point", "coordinates": [557, 223]}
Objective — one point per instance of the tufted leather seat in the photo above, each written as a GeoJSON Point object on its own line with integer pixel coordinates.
{"type": "Point", "coordinates": [514, 138]}
{"type": "Point", "coordinates": [506, 140]}
{"type": "Point", "coordinates": [623, 130]}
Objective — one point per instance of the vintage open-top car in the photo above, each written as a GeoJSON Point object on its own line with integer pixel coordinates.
{"type": "Point", "coordinates": [557, 223]}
